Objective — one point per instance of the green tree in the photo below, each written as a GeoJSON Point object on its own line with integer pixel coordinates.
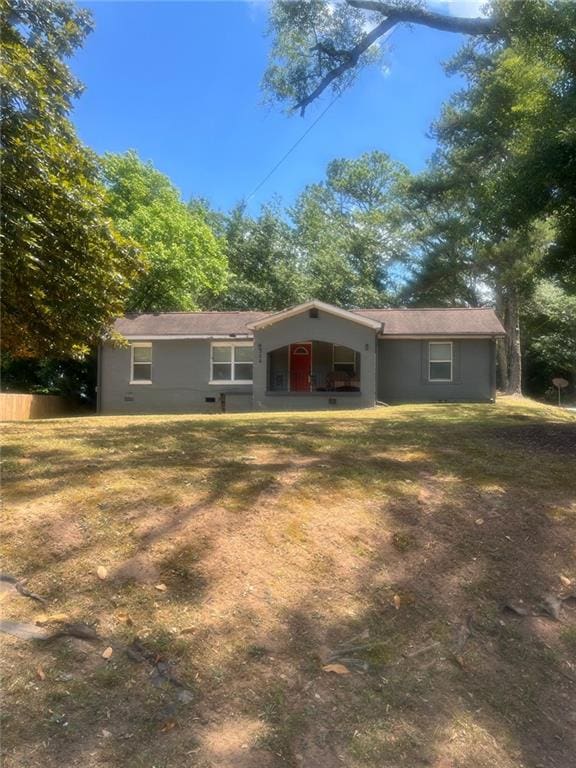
{"type": "Point", "coordinates": [463, 259]}
{"type": "Point", "coordinates": [507, 140]}
{"type": "Point", "coordinates": [549, 321]}
{"type": "Point", "coordinates": [507, 152]}
{"type": "Point", "coordinates": [352, 230]}
{"type": "Point", "coordinates": [319, 44]}
{"type": "Point", "coordinates": [264, 267]}
{"type": "Point", "coordinates": [70, 377]}
{"type": "Point", "coordinates": [186, 263]}
{"type": "Point", "coordinates": [65, 272]}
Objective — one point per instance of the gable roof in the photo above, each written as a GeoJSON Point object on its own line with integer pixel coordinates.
{"type": "Point", "coordinates": [355, 317]}
{"type": "Point", "coordinates": [389, 322]}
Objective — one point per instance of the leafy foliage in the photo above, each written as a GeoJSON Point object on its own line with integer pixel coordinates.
{"type": "Point", "coordinates": [550, 329]}
{"type": "Point", "coordinates": [509, 139]}
{"type": "Point", "coordinates": [66, 273]}
{"type": "Point", "coordinates": [70, 377]}
{"type": "Point", "coordinates": [321, 44]}
{"type": "Point", "coordinates": [265, 272]}
{"type": "Point", "coordinates": [307, 36]}
{"type": "Point", "coordinates": [186, 264]}
{"type": "Point", "coordinates": [505, 160]}
{"type": "Point", "coordinates": [352, 230]}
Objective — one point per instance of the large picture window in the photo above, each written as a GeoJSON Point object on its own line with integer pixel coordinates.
{"type": "Point", "coordinates": [231, 363]}
{"type": "Point", "coordinates": [440, 361]}
{"type": "Point", "coordinates": [141, 363]}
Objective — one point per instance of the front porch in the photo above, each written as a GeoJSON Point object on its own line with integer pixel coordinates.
{"type": "Point", "coordinates": [313, 367]}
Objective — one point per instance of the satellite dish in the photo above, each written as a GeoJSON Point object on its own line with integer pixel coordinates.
{"type": "Point", "coordinates": [560, 384]}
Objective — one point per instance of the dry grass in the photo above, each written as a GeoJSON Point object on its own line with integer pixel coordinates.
{"type": "Point", "coordinates": [278, 538]}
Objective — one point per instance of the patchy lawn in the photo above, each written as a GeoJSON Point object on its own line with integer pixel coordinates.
{"type": "Point", "coordinates": [248, 552]}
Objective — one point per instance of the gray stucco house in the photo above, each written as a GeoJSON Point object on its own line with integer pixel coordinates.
{"type": "Point", "coordinates": [310, 356]}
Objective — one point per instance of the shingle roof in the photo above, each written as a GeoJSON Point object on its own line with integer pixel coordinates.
{"type": "Point", "coordinates": [436, 322]}
{"type": "Point", "coordinates": [395, 322]}
{"type": "Point", "coordinates": [188, 323]}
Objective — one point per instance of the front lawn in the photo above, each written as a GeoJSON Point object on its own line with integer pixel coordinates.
{"type": "Point", "coordinates": [248, 553]}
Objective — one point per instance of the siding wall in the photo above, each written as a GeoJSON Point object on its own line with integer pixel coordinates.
{"type": "Point", "coordinates": [326, 327]}
{"type": "Point", "coordinates": [403, 372]}
{"type": "Point", "coordinates": [180, 375]}
{"type": "Point", "coordinates": [396, 372]}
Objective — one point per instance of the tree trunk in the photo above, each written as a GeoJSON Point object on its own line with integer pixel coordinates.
{"type": "Point", "coordinates": [509, 351]}
{"type": "Point", "coordinates": [502, 364]}
{"type": "Point", "coordinates": [502, 344]}
{"type": "Point", "coordinates": [514, 351]}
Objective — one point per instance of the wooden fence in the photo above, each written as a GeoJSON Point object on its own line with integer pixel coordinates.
{"type": "Point", "coordinates": [22, 407]}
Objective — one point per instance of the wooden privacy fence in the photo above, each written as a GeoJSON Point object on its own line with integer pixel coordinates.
{"type": "Point", "coordinates": [22, 407]}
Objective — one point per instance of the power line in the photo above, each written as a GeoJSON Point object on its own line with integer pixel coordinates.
{"type": "Point", "coordinates": [386, 38]}
{"type": "Point", "coordinates": [292, 148]}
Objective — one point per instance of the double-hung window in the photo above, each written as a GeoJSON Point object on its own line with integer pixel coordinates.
{"type": "Point", "coordinates": [141, 363]}
{"type": "Point", "coordinates": [440, 361]}
{"type": "Point", "coordinates": [231, 363]}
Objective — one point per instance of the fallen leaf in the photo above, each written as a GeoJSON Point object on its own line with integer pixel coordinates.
{"type": "Point", "coordinates": [169, 725]}
{"type": "Point", "coordinates": [479, 521]}
{"type": "Point", "coordinates": [338, 669]}
{"type": "Point", "coordinates": [565, 580]}
{"type": "Point", "coordinates": [40, 673]}
{"type": "Point", "coordinates": [397, 602]}
{"type": "Point", "coordinates": [102, 572]}
{"type": "Point", "coordinates": [107, 653]}
{"type": "Point", "coordinates": [161, 587]}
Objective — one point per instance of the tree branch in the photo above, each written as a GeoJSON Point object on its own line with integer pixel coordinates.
{"type": "Point", "coordinates": [415, 15]}
{"type": "Point", "coordinates": [349, 62]}
{"type": "Point", "coordinates": [394, 15]}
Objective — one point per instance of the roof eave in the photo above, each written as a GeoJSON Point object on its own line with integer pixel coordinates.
{"type": "Point", "coordinates": [285, 314]}
{"type": "Point", "coordinates": [445, 335]}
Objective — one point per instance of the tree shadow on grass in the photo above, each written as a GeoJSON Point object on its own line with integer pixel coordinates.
{"type": "Point", "coordinates": [502, 699]}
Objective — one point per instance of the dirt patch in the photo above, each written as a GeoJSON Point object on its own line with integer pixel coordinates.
{"type": "Point", "coordinates": [63, 536]}
{"type": "Point", "coordinates": [140, 569]}
{"type": "Point", "coordinates": [233, 743]}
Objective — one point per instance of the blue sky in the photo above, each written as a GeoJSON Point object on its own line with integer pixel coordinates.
{"type": "Point", "coordinates": [179, 82]}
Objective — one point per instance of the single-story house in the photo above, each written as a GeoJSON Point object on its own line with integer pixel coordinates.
{"type": "Point", "coordinates": [310, 356]}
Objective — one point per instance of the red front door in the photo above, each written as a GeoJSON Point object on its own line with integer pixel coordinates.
{"type": "Point", "coordinates": [300, 366]}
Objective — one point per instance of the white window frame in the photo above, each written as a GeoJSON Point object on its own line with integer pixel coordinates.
{"type": "Point", "coordinates": [148, 345]}
{"type": "Point", "coordinates": [430, 361]}
{"type": "Point", "coordinates": [233, 345]}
